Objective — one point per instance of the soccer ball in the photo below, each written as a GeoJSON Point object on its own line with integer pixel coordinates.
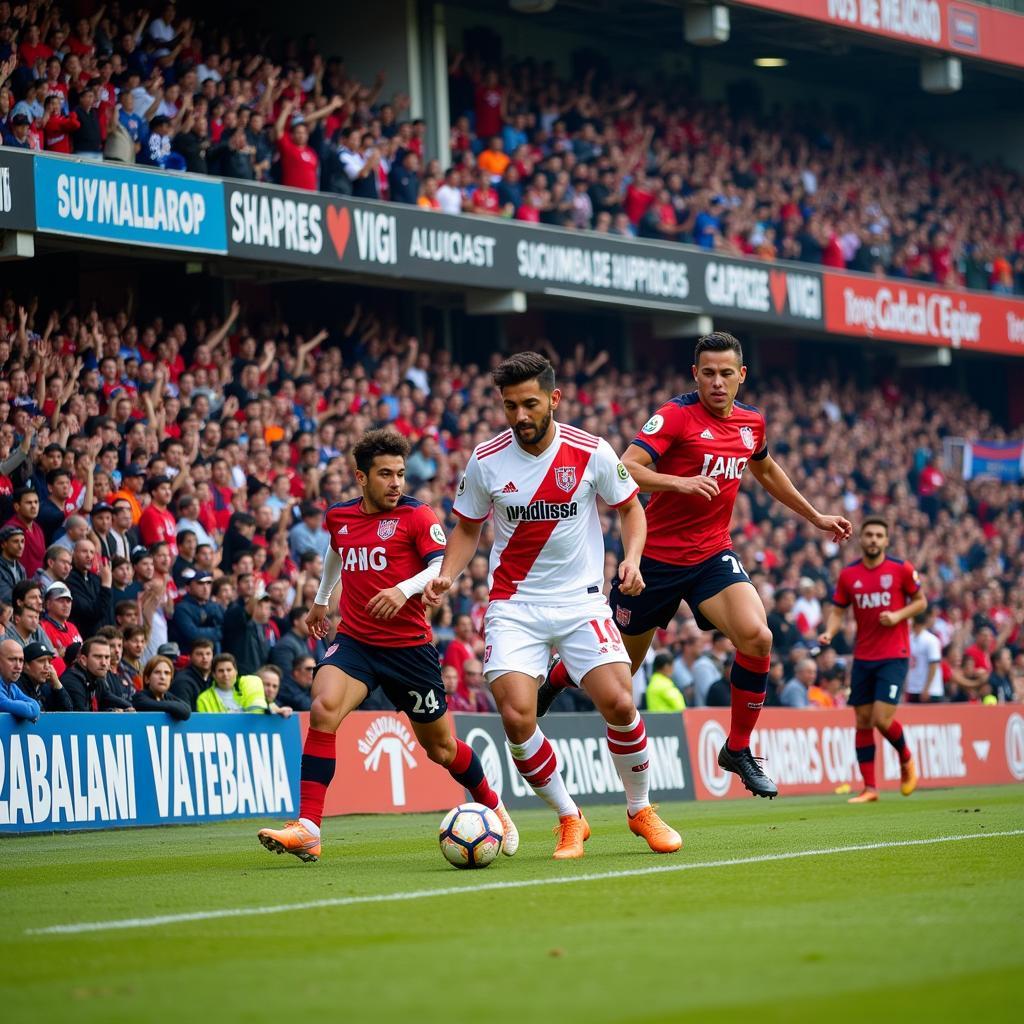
{"type": "Point", "coordinates": [471, 836]}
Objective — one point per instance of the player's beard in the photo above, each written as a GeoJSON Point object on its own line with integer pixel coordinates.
{"type": "Point", "coordinates": [536, 431]}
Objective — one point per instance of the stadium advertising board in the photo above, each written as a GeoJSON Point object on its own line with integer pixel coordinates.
{"type": "Point", "coordinates": [306, 229]}
{"type": "Point", "coordinates": [898, 310]}
{"type": "Point", "coordinates": [381, 769]}
{"type": "Point", "coordinates": [17, 199]}
{"type": "Point", "coordinates": [965, 29]}
{"type": "Point", "coordinates": [74, 771]}
{"type": "Point", "coordinates": [583, 757]}
{"type": "Point", "coordinates": [127, 204]}
{"type": "Point", "coordinates": [811, 751]}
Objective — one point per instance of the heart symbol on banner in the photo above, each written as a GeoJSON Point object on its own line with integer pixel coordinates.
{"type": "Point", "coordinates": [339, 224]}
{"type": "Point", "coordinates": [778, 286]}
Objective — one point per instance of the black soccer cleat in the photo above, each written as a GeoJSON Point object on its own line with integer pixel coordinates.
{"type": "Point", "coordinates": [546, 693]}
{"type": "Point", "coordinates": [748, 768]}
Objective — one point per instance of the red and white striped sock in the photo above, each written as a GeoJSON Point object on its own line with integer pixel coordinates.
{"type": "Point", "coordinates": [628, 746]}
{"type": "Point", "coordinates": [538, 765]}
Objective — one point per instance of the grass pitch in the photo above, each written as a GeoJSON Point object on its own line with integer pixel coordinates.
{"type": "Point", "coordinates": [927, 931]}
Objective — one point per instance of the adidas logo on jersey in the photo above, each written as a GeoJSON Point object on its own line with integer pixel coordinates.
{"type": "Point", "coordinates": [510, 488]}
{"type": "Point", "coordinates": [343, 531]}
{"type": "Point", "coordinates": [707, 435]}
{"type": "Point", "coordinates": [857, 585]}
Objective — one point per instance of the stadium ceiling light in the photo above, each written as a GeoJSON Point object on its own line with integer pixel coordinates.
{"type": "Point", "coordinates": [770, 62]}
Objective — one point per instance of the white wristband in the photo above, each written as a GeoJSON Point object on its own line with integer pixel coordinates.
{"type": "Point", "coordinates": [417, 584]}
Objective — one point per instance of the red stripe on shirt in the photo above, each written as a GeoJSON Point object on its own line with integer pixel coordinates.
{"type": "Point", "coordinates": [528, 539]}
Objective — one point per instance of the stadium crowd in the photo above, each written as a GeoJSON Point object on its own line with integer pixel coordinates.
{"type": "Point", "coordinates": [162, 487]}
{"type": "Point", "coordinates": [652, 160]}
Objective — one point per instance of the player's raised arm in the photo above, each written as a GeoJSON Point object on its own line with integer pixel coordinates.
{"type": "Point", "coordinates": [640, 464]}
{"type": "Point", "coordinates": [774, 479]}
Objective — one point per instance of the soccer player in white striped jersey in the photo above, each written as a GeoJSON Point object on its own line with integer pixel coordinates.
{"type": "Point", "coordinates": [541, 480]}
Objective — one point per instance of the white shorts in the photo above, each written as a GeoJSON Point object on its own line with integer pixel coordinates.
{"type": "Point", "coordinates": [520, 637]}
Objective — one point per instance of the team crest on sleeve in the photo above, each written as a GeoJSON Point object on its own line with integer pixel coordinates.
{"type": "Point", "coordinates": [386, 528]}
{"type": "Point", "coordinates": [886, 581]}
{"type": "Point", "coordinates": [462, 486]}
{"type": "Point", "coordinates": [487, 653]}
{"type": "Point", "coordinates": [747, 436]}
{"type": "Point", "coordinates": [654, 424]}
{"type": "Point", "coordinates": [622, 471]}
{"type": "Point", "coordinates": [565, 478]}
{"type": "Point", "coordinates": [437, 534]}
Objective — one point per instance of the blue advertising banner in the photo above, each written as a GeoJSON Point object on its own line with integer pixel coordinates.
{"type": "Point", "coordinates": [82, 771]}
{"type": "Point", "coordinates": [129, 204]}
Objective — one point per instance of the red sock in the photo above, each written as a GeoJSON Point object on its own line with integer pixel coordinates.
{"type": "Point", "coordinates": [865, 742]}
{"type": "Point", "coordinates": [467, 770]}
{"type": "Point", "coordinates": [559, 677]}
{"type": "Point", "coordinates": [318, 760]}
{"type": "Point", "coordinates": [749, 683]}
{"type": "Point", "coordinates": [894, 734]}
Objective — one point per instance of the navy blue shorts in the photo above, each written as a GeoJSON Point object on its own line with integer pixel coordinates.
{"type": "Point", "coordinates": [878, 680]}
{"type": "Point", "coordinates": [410, 676]}
{"type": "Point", "coordinates": [667, 585]}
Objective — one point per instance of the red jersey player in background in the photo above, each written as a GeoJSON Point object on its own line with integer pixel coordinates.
{"type": "Point", "coordinates": [690, 456]}
{"type": "Point", "coordinates": [386, 547]}
{"type": "Point", "coordinates": [885, 594]}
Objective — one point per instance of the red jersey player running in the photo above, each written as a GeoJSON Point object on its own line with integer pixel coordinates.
{"type": "Point", "coordinates": [541, 480]}
{"type": "Point", "coordinates": [885, 594]}
{"type": "Point", "coordinates": [701, 443]}
{"type": "Point", "coordinates": [387, 547]}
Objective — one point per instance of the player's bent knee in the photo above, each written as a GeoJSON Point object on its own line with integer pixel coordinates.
{"type": "Point", "coordinates": [618, 708]}
{"type": "Point", "coordinates": [756, 642]}
{"type": "Point", "coordinates": [519, 724]}
{"type": "Point", "coordinates": [441, 752]}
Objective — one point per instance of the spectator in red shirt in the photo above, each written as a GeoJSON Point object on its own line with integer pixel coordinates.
{"type": "Point", "coordinates": [300, 166]}
{"type": "Point", "coordinates": [485, 198]}
{"type": "Point", "coordinates": [57, 127]}
{"type": "Point", "coordinates": [26, 511]}
{"type": "Point", "coordinates": [977, 664]}
{"type": "Point", "coordinates": [463, 648]}
{"type": "Point", "coordinates": [32, 48]}
{"type": "Point", "coordinates": [157, 524]}
{"type": "Point", "coordinates": [490, 106]}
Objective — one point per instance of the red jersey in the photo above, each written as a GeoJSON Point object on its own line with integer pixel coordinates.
{"type": "Point", "coordinates": [300, 166]}
{"type": "Point", "coordinates": [888, 587]}
{"type": "Point", "coordinates": [685, 439]}
{"type": "Point", "coordinates": [156, 526]}
{"type": "Point", "coordinates": [377, 552]}
{"type": "Point", "coordinates": [60, 637]}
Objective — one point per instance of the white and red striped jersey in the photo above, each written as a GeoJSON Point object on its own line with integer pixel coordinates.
{"type": "Point", "coordinates": [548, 546]}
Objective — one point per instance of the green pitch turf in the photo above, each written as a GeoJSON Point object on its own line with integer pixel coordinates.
{"type": "Point", "coordinates": [929, 932]}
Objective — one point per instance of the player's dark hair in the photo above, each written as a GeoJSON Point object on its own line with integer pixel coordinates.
{"type": "Point", "coordinates": [875, 521]}
{"type": "Point", "coordinates": [378, 442]}
{"type": "Point", "coordinates": [719, 341]}
{"type": "Point", "coordinates": [524, 366]}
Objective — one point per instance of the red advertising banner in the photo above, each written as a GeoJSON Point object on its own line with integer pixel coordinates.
{"type": "Point", "coordinates": [811, 751]}
{"type": "Point", "coordinates": [383, 770]}
{"type": "Point", "coordinates": [899, 310]}
{"type": "Point", "coordinates": [964, 29]}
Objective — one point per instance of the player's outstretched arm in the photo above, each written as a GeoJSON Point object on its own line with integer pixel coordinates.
{"type": "Point", "coordinates": [773, 478]}
{"type": "Point", "coordinates": [316, 620]}
{"type": "Point", "coordinates": [833, 624]}
{"type": "Point", "coordinates": [641, 468]}
{"type": "Point", "coordinates": [387, 603]}
{"type": "Point", "coordinates": [462, 545]}
{"type": "Point", "coordinates": [633, 525]}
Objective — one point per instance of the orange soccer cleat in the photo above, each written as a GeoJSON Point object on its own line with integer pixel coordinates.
{"type": "Point", "coordinates": [573, 831]}
{"type": "Point", "coordinates": [869, 796]}
{"type": "Point", "coordinates": [294, 838]}
{"type": "Point", "coordinates": [908, 777]}
{"type": "Point", "coordinates": [661, 838]}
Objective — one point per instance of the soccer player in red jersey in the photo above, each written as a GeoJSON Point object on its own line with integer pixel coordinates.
{"type": "Point", "coordinates": [690, 456]}
{"type": "Point", "coordinates": [886, 595]}
{"type": "Point", "coordinates": [386, 547]}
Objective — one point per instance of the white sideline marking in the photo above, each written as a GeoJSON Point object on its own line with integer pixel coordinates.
{"type": "Point", "coordinates": [457, 890]}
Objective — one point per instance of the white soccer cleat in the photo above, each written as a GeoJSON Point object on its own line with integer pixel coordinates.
{"type": "Point", "coordinates": [510, 843]}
